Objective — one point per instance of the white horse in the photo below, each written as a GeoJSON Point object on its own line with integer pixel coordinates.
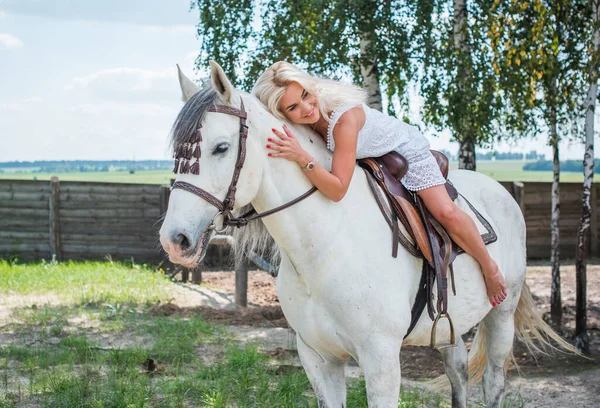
{"type": "Point", "coordinates": [338, 285]}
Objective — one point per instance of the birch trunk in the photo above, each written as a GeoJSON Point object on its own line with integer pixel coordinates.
{"type": "Point", "coordinates": [555, 296]}
{"type": "Point", "coordinates": [583, 235]}
{"type": "Point", "coordinates": [464, 135]}
{"type": "Point", "coordinates": [369, 73]}
{"type": "Point", "coordinates": [466, 155]}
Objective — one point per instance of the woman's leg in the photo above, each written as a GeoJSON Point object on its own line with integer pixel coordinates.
{"type": "Point", "coordinates": [464, 232]}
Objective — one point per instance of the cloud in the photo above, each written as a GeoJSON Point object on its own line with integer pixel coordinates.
{"type": "Point", "coordinates": [10, 41]}
{"type": "Point", "coordinates": [145, 12]}
{"type": "Point", "coordinates": [131, 84]}
{"type": "Point", "coordinates": [18, 104]}
{"type": "Point", "coordinates": [125, 109]}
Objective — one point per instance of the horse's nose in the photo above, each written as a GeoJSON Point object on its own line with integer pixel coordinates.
{"type": "Point", "coordinates": [182, 241]}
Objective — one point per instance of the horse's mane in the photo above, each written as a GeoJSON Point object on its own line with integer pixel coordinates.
{"type": "Point", "coordinates": [191, 115]}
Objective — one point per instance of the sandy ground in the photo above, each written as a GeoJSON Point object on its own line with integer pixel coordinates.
{"type": "Point", "coordinates": [540, 381]}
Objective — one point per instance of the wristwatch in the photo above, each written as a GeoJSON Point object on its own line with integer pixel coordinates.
{"type": "Point", "coordinates": [309, 166]}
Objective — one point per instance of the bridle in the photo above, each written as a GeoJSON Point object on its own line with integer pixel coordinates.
{"type": "Point", "coordinates": [225, 207]}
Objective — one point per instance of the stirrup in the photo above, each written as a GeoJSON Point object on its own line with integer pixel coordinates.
{"type": "Point", "coordinates": [434, 343]}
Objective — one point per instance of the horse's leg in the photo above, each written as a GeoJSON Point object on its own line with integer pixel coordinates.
{"type": "Point", "coordinates": [455, 364]}
{"type": "Point", "coordinates": [380, 362]}
{"type": "Point", "coordinates": [500, 327]}
{"type": "Point", "coordinates": [326, 375]}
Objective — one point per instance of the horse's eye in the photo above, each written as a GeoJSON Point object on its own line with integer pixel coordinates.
{"type": "Point", "coordinates": [221, 148]}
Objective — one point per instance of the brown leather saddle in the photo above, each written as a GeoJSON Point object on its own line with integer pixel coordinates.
{"type": "Point", "coordinates": [427, 238]}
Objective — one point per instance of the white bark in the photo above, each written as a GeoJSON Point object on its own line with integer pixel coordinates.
{"type": "Point", "coordinates": [466, 152]}
{"type": "Point", "coordinates": [369, 73]}
{"type": "Point", "coordinates": [555, 296]}
{"type": "Point", "coordinates": [583, 236]}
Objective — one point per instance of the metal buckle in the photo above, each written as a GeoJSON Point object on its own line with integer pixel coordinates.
{"type": "Point", "coordinates": [434, 343]}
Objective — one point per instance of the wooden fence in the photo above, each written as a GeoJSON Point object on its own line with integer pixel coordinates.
{"type": "Point", "coordinates": [78, 220]}
{"type": "Point", "coordinates": [84, 220]}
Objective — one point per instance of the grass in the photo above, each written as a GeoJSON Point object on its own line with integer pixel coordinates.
{"type": "Point", "coordinates": [501, 170]}
{"type": "Point", "coordinates": [65, 354]}
{"type": "Point", "coordinates": [144, 177]}
{"type": "Point", "coordinates": [85, 282]}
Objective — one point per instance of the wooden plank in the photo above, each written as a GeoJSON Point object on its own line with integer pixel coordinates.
{"type": "Point", "coordinates": [25, 247]}
{"type": "Point", "coordinates": [54, 228]}
{"type": "Point", "coordinates": [152, 199]}
{"type": "Point", "coordinates": [22, 212]}
{"type": "Point", "coordinates": [25, 196]}
{"type": "Point", "coordinates": [24, 186]}
{"type": "Point", "coordinates": [24, 235]}
{"type": "Point", "coordinates": [106, 248]}
{"type": "Point", "coordinates": [105, 205]}
{"type": "Point", "coordinates": [103, 221]}
{"type": "Point", "coordinates": [143, 239]}
{"type": "Point", "coordinates": [110, 188]}
{"type": "Point", "coordinates": [38, 205]}
{"type": "Point", "coordinates": [25, 228]}
{"type": "Point", "coordinates": [109, 231]}
{"type": "Point", "coordinates": [82, 256]}
{"type": "Point", "coordinates": [111, 213]}
{"type": "Point", "coordinates": [115, 228]}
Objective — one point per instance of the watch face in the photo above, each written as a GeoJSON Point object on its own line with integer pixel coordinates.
{"type": "Point", "coordinates": [310, 166]}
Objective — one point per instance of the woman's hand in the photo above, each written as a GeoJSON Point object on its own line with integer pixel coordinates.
{"type": "Point", "coordinates": [286, 146]}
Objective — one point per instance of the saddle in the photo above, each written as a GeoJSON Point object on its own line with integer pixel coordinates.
{"type": "Point", "coordinates": [427, 238]}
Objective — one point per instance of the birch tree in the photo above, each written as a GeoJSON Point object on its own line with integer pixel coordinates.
{"type": "Point", "coordinates": [363, 39]}
{"type": "Point", "coordinates": [539, 57]}
{"type": "Point", "coordinates": [458, 82]}
{"type": "Point", "coordinates": [583, 234]}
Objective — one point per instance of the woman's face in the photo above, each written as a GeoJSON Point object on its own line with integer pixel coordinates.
{"type": "Point", "coordinates": [298, 105]}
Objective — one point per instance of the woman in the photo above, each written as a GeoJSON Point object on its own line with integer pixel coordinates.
{"type": "Point", "coordinates": [352, 130]}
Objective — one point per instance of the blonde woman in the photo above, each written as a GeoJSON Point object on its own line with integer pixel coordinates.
{"type": "Point", "coordinates": [352, 130]}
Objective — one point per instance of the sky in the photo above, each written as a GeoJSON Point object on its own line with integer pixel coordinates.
{"type": "Point", "coordinates": [96, 80]}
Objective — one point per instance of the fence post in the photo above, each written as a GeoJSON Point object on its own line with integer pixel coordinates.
{"type": "Point", "coordinates": [241, 283]}
{"type": "Point", "coordinates": [165, 192]}
{"type": "Point", "coordinates": [519, 195]}
{"type": "Point", "coordinates": [197, 275]}
{"type": "Point", "coordinates": [54, 207]}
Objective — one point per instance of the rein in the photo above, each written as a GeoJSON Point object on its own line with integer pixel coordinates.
{"type": "Point", "coordinates": [225, 207]}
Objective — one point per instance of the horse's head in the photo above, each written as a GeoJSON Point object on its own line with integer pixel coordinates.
{"type": "Point", "coordinates": [206, 139]}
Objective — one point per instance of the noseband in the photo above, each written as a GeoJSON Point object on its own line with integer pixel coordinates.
{"type": "Point", "coordinates": [225, 207]}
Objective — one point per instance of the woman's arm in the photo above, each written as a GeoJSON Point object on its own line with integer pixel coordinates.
{"type": "Point", "coordinates": [334, 185]}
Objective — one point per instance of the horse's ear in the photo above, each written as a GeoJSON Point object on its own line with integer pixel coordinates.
{"type": "Point", "coordinates": [188, 88]}
{"type": "Point", "coordinates": [220, 82]}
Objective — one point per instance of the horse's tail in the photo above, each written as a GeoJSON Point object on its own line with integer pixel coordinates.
{"type": "Point", "coordinates": [530, 328]}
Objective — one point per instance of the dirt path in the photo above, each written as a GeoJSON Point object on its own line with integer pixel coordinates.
{"type": "Point", "coordinates": [542, 381]}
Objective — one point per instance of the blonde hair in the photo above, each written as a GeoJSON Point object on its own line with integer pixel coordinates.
{"type": "Point", "coordinates": [331, 95]}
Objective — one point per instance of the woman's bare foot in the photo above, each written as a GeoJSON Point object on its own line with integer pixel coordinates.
{"type": "Point", "coordinates": [495, 284]}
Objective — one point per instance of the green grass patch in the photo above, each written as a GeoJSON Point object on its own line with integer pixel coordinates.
{"type": "Point", "coordinates": [143, 177]}
{"type": "Point", "coordinates": [501, 170]}
{"type": "Point", "coordinates": [86, 282]}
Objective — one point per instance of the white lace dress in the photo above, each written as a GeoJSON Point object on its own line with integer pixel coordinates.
{"type": "Point", "coordinates": [381, 134]}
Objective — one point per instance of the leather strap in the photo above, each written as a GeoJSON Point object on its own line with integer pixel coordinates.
{"type": "Point", "coordinates": [205, 195]}
{"type": "Point", "coordinates": [388, 216]}
{"type": "Point", "coordinates": [252, 215]}
{"type": "Point", "coordinates": [226, 206]}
